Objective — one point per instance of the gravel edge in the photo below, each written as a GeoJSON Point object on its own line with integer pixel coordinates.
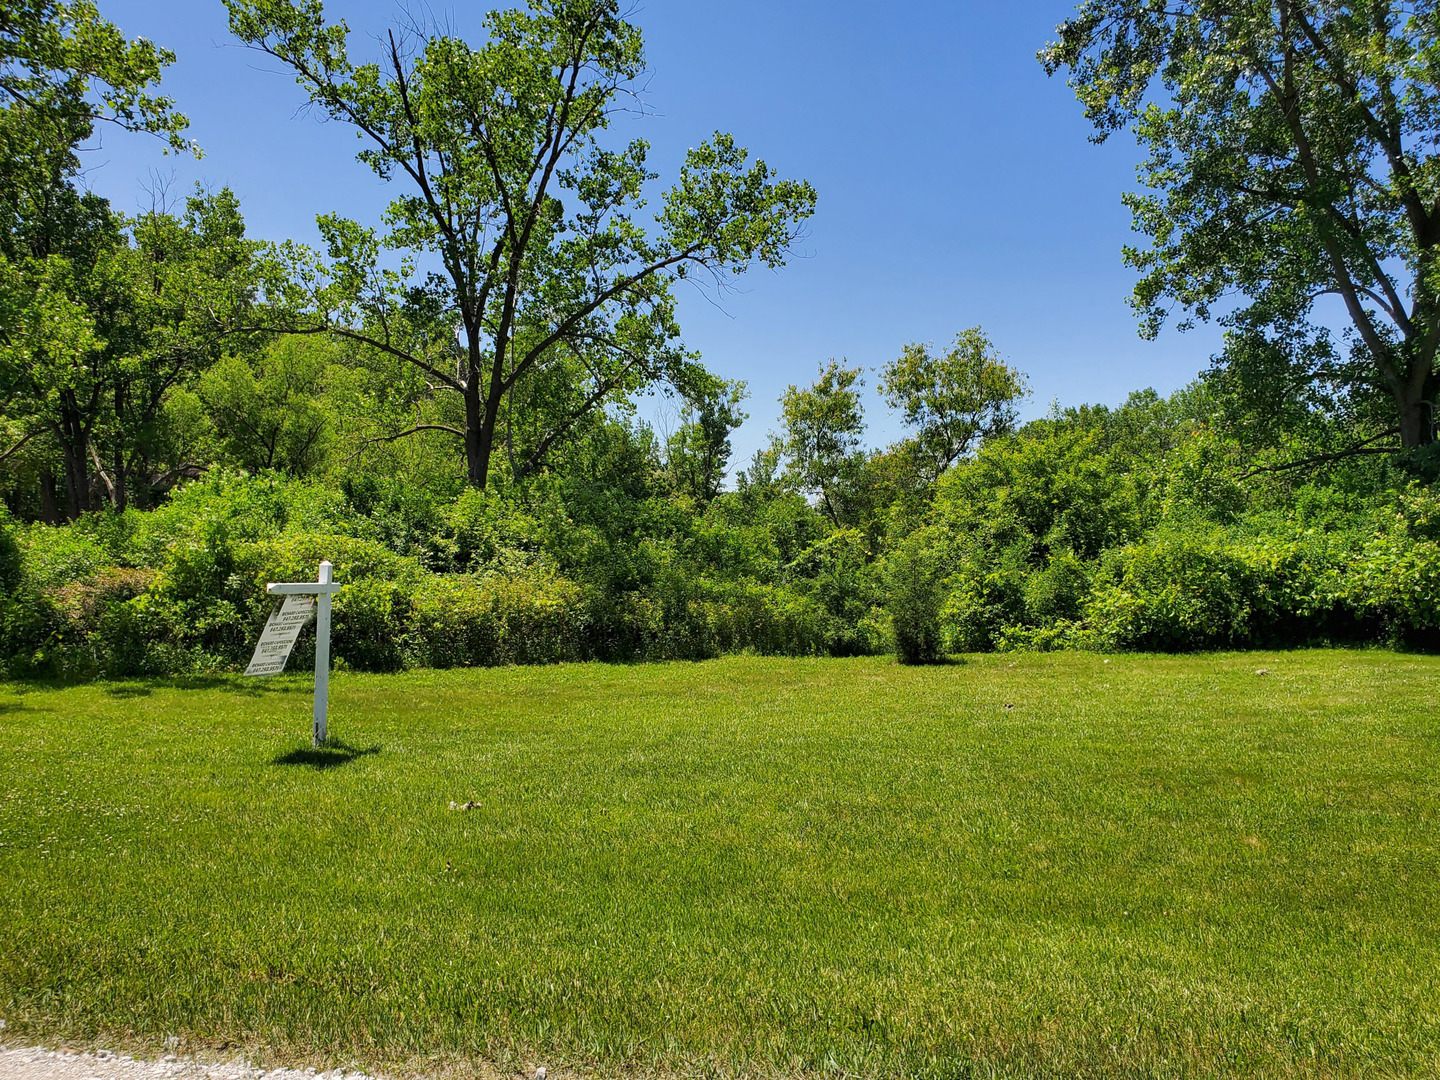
{"type": "Point", "coordinates": [38, 1063]}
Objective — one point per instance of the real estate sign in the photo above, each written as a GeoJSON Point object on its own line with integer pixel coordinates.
{"type": "Point", "coordinates": [278, 637]}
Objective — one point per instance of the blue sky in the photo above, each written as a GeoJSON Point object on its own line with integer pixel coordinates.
{"type": "Point", "coordinates": [957, 186]}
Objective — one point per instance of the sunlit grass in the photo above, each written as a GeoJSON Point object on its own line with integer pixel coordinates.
{"type": "Point", "coordinates": [1047, 866]}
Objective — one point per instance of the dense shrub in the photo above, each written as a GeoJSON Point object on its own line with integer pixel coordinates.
{"type": "Point", "coordinates": [1099, 529]}
{"type": "Point", "coordinates": [915, 599]}
{"type": "Point", "coordinates": [54, 558]}
{"type": "Point", "coordinates": [1298, 582]}
{"type": "Point", "coordinates": [1170, 593]}
{"type": "Point", "coordinates": [838, 575]}
{"type": "Point", "coordinates": [1394, 589]}
{"type": "Point", "coordinates": [1059, 591]}
{"type": "Point", "coordinates": [12, 565]}
{"type": "Point", "coordinates": [462, 620]}
{"type": "Point", "coordinates": [98, 626]}
{"type": "Point", "coordinates": [985, 595]}
{"type": "Point", "coordinates": [750, 617]}
{"type": "Point", "coordinates": [106, 630]}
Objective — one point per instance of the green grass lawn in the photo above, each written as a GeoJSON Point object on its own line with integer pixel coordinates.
{"type": "Point", "coordinates": [1012, 866]}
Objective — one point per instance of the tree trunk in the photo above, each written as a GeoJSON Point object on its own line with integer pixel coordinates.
{"type": "Point", "coordinates": [119, 494]}
{"type": "Point", "coordinates": [49, 498]}
{"type": "Point", "coordinates": [481, 415]}
{"type": "Point", "coordinates": [477, 460]}
{"type": "Point", "coordinates": [77, 481]}
{"type": "Point", "coordinates": [121, 497]}
{"type": "Point", "coordinates": [1417, 419]}
{"type": "Point", "coordinates": [488, 424]}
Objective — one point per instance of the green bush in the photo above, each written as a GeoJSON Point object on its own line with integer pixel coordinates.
{"type": "Point", "coordinates": [12, 565]}
{"type": "Point", "coordinates": [482, 530]}
{"type": "Point", "coordinates": [837, 573]}
{"type": "Point", "coordinates": [108, 629]}
{"type": "Point", "coordinates": [55, 556]}
{"type": "Point", "coordinates": [90, 628]}
{"type": "Point", "coordinates": [1058, 592]}
{"type": "Point", "coordinates": [914, 602]}
{"type": "Point", "coordinates": [1062, 634]}
{"type": "Point", "coordinates": [482, 621]}
{"type": "Point", "coordinates": [985, 595]}
{"type": "Point", "coordinates": [34, 640]}
{"type": "Point", "coordinates": [748, 616]}
{"type": "Point", "coordinates": [1172, 592]}
{"type": "Point", "coordinates": [1297, 595]}
{"type": "Point", "coordinates": [1083, 531]}
{"type": "Point", "coordinates": [1393, 589]}
{"type": "Point", "coordinates": [371, 621]}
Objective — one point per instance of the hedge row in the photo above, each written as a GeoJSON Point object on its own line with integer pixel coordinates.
{"type": "Point", "coordinates": [203, 609]}
{"type": "Point", "coordinates": [1180, 591]}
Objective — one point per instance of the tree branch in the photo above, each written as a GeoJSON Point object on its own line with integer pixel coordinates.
{"type": "Point", "coordinates": [404, 434]}
{"type": "Point", "coordinates": [19, 445]}
{"type": "Point", "coordinates": [1359, 449]}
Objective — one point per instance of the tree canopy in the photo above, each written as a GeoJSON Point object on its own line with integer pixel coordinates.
{"type": "Point", "coordinates": [953, 399]}
{"type": "Point", "coordinates": [1292, 155]}
{"type": "Point", "coordinates": [823, 425]}
{"type": "Point", "coordinates": [448, 400]}
{"type": "Point", "coordinates": [525, 284]}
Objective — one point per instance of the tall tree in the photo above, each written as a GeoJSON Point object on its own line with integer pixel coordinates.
{"type": "Point", "coordinates": [63, 71]}
{"type": "Point", "coordinates": [517, 228]}
{"type": "Point", "coordinates": [269, 409]}
{"type": "Point", "coordinates": [697, 453]}
{"type": "Point", "coordinates": [1292, 155]}
{"type": "Point", "coordinates": [951, 399]}
{"type": "Point", "coordinates": [823, 424]}
{"type": "Point", "coordinates": [102, 332]}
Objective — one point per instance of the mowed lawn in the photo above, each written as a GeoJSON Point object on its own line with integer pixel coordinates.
{"type": "Point", "coordinates": [1008, 866]}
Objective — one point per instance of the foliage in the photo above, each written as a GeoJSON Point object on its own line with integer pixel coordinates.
{"type": "Point", "coordinates": [63, 69]}
{"type": "Point", "coordinates": [67, 304]}
{"type": "Point", "coordinates": [821, 441]}
{"type": "Point", "coordinates": [12, 566]}
{"type": "Point", "coordinates": [698, 452]}
{"type": "Point", "coordinates": [513, 295]}
{"type": "Point", "coordinates": [488, 579]}
{"type": "Point", "coordinates": [270, 411]}
{"type": "Point", "coordinates": [1094, 528]}
{"type": "Point", "coordinates": [914, 599]}
{"type": "Point", "coordinates": [951, 400]}
{"type": "Point", "coordinates": [1174, 592]}
{"type": "Point", "coordinates": [518, 227]}
{"type": "Point", "coordinates": [109, 325]}
{"type": "Point", "coordinates": [1291, 155]}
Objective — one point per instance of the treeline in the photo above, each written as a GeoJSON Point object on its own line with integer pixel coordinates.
{"type": "Point", "coordinates": [1143, 527]}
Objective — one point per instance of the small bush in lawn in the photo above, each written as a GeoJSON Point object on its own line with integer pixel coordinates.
{"type": "Point", "coordinates": [915, 598]}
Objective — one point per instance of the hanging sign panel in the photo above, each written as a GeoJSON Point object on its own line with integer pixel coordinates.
{"type": "Point", "coordinates": [278, 637]}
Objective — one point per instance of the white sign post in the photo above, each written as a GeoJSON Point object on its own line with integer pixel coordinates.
{"type": "Point", "coordinates": [304, 595]}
